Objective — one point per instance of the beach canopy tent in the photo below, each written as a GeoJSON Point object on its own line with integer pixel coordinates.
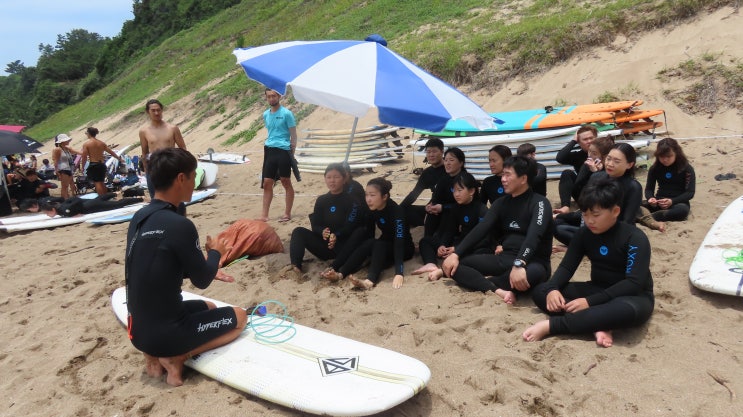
{"type": "Point", "coordinates": [12, 128]}
{"type": "Point", "coordinates": [353, 77]}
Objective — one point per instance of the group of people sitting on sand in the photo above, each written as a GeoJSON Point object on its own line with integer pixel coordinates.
{"type": "Point", "coordinates": [497, 236]}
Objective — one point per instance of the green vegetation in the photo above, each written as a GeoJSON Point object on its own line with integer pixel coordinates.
{"type": "Point", "coordinates": [478, 42]}
{"type": "Point", "coordinates": [629, 92]}
{"type": "Point", "coordinates": [710, 84]}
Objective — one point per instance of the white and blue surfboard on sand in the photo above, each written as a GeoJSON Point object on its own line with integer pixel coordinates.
{"type": "Point", "coordinates": [718, 264]}
{"type": "Point", "coordinates": [306, 369]}
{"type": "Point", "coordinates": [197, 196]}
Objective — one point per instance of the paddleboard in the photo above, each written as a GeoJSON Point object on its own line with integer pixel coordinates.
{"type": "Point", "coordinates": [210, 173]}
{"type": "Point", "coordinates": [622, 117]}
{"type": "Point", "coordinates": [197, 196]}
{"type": "Point", "coordinates": [347, 134]}
{"type": "Point", "coordinates": [635, 127]}
{"type": "Point", "coordinates": [718, 264]}
{"type": "Point", "coordinates": [224, 158]}
{"type": "Point", "coordinates": [312, 371]}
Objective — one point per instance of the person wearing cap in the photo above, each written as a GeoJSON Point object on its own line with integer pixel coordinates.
{"type": "Point", "coordinates": [31, 186]}
{"type": "Point", "coordinates": [64, 164]}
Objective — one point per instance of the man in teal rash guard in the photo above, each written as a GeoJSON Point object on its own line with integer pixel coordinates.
{"type": "Point", "coordinates": [162, 249]}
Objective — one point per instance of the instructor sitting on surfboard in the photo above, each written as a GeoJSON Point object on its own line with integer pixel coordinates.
{"type": "Point", "coordinates": [162, 249]}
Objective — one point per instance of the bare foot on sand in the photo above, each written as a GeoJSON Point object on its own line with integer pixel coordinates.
{"type": "Point", "coordinates": [331, 275]}
{"type": "Point", "coordinates": [174, 367]}
{"type": "Point", "coordinates": [435, 275]}
{"type": "Point", "coordinates": [508, 296]}
{"type": "Point", "coordinates": [604, 339]}
{"type": "Point", "coordinates": [262, 219]}
{"type": "Point", "coordinates": [537, 331]}
{"type": "Point", "coordinates": [290, 271]}
{"type": "Point", "coordinates": [363, 284]}
{"type": "Point", "coordinates": [425, 268]}
{"type": "Point", "coordinates": [559, 248]}
{"type": "Point", "coordinates": [662, 227]}
{"type": "Point", "coordinates": [152, 364]}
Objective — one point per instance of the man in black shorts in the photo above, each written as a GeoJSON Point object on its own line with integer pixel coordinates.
{"type": "Point", "coordinates": [162, 249]}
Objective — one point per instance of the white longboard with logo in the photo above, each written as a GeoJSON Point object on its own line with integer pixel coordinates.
{"type": "Point", "coordinates": [307, 369]}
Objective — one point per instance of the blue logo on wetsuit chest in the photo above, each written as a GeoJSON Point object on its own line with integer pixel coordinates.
{"type": "Point", "coordinates": [500, 190]}
{"type": "Point", "coordinates": [603, 250]}
{"type": "Point", "coordinates": [466, 219]}
{"type": "Point", "coordinates": [668, 175]}
{"type": "Point", "coordinates": [332, 209]}
{"type": "Point", "coordinates": [382, 220]}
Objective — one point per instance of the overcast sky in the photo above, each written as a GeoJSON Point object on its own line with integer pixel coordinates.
{"type": "Point", "coordinates": [24, 24]}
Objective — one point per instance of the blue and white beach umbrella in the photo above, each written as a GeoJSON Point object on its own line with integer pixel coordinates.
{"type": "Point", "coordinates": [354, 76]}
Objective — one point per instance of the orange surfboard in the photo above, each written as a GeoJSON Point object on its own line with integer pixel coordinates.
{"type": "Point", "coordinates": [610, 107]}
{"type": "Point", "coordinates": [635, 127]}
{"type": "Point", "coordinates": [622, 117]}
{"type": "Point", "coordinates": [545, 121]}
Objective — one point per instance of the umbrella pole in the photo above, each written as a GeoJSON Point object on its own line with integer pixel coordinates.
{"type": "Point", "coordinates": [350, 140]}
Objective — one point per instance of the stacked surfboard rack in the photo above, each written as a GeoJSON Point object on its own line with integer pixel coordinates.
{"type": "Point", "coordinates": [370, 147]}
{"type": "Point", "coordinates": [548, 129]}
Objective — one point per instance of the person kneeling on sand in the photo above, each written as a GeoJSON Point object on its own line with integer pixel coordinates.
{"type": "Point", "coordinates": [620, 292]}
{"type": "Point", "coordinates": [162, 247]}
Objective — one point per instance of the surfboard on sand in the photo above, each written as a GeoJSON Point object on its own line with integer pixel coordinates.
{"type": "Point", "coordinates": [312, 371]}
{"type": "Point", "coordinates": [224, 158]}
{"type": "Point", "coordinates": [718, 264]}
{"type": "Point", "coordinates": [210, 174]}
{"type": "Point", "coordinates": [58, 221]}
{"type": "Point", "coordinates": [197, 196]}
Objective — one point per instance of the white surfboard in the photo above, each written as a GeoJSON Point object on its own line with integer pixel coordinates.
{"type": "Point", "coordinates": [224, 158]}
{"type": "Point", "coordinates": [312, 371]}
{"type": "Point", "coordinates": [58, 221]}
{"type": "Point", "coordinates": [210, 174]}
{"type": "Point", "coordinates": [197, 196]}
{"type": "Point", "coordinates": [718, 264]}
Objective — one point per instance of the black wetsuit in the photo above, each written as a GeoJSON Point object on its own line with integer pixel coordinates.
{"type": "Point", "coordinates": [393, 247]}
{"type": "Point", "coordinates": [76, 205]}
{"type": "Point", "coordinates": [631, 195]}
{"type": "Point", "coordinates": [620, 292]}
{"type": "Point", "coordinates": [416, 214]}
{"type": "Point", "coordinates": [523, 226]}
{"type": "Point", "coordinates": [566, 224]}
{"type": "Point", "coordinates": [462, 220]}
{"type": "Point", "coordinates": [163, 249]}
{"type": "Point", "coordinates": [444, 195]}
{"type": "Point", "coordinates": [570, 154]}
{"type": "Point", "coordinates": [491, 189]}
{"type": "Point", "coordinates": [678, 186]}
{"type": "Point", "coordinates": [338, 212]}
{"type": "Point", "coordinates": [539, 183]}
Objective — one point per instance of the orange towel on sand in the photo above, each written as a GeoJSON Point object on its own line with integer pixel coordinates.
{"type": "Point", "coordinates": [249, 237]}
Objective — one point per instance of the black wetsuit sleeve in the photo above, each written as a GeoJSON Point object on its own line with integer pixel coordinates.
{"type": "Point", "coordinates": [414, 193]}
{"type": "Point", "coordinates": [637, 267]}
{"type": "Point", "coordinates": [541, 174]}
{"type": "Point", "coordinates": [353, 218]}
{"type": "Point", "coordinates": [450, 226]}
{"type": "Point", "coordinates": [185, 243]}
{"type": "Point", "coordinates": [539, 226]}
{"type": "Point", "coordinates": [316, 216]}
{"type": "Point", "coordinates": [650, 183]}
{"type": "Point", "coordinates": [568, 265]}
{"type": "Point", "coordinates": [568, 155]}
{"type": "Point", "coordinates": [690, 185]}
{"type": "Point", "coordinates": [632, 201]}
{"type": "Point", "coordinates": [584, 174]}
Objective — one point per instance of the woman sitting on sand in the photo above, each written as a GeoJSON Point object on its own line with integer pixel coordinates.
{"type": "Point", "coordinates": [676, 184]}
{"type": "Point", "coordinates": [468, 212]}
{"type": "Point", "coordinates": [334, 218]}
{"type": "Point", "coordinates": [492, 188]}
{"type": "Point", "coordinates": [393, 247]}
{"type": "Point", "coordinates": [620, 292]}
{"type": "Point", "coordinates": [442, 198]}
{"type": "Point", "coordinates": [619, 165]}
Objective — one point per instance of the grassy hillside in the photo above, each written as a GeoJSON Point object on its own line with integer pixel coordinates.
{"type": "Point", "coordinates": [475, 42]}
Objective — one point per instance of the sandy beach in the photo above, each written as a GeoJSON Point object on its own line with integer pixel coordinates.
{"type": "Point", "coordinates": [65, 354]}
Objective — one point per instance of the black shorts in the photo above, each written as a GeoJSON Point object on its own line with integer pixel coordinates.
{"type": "Point", "coordinates": [65, 172]}
{"type": "Point", "coordinates": [96, 171]}
{"type": "Point", "coordinates": [275, 161]}
{"type": "Point", "coordinates": [199, 326]}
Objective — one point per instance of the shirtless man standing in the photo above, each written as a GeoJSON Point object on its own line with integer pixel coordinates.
{"type": "Point", "coordinates": [156, 135]}
{"type": "Point", "coordinates": [93, 148]}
